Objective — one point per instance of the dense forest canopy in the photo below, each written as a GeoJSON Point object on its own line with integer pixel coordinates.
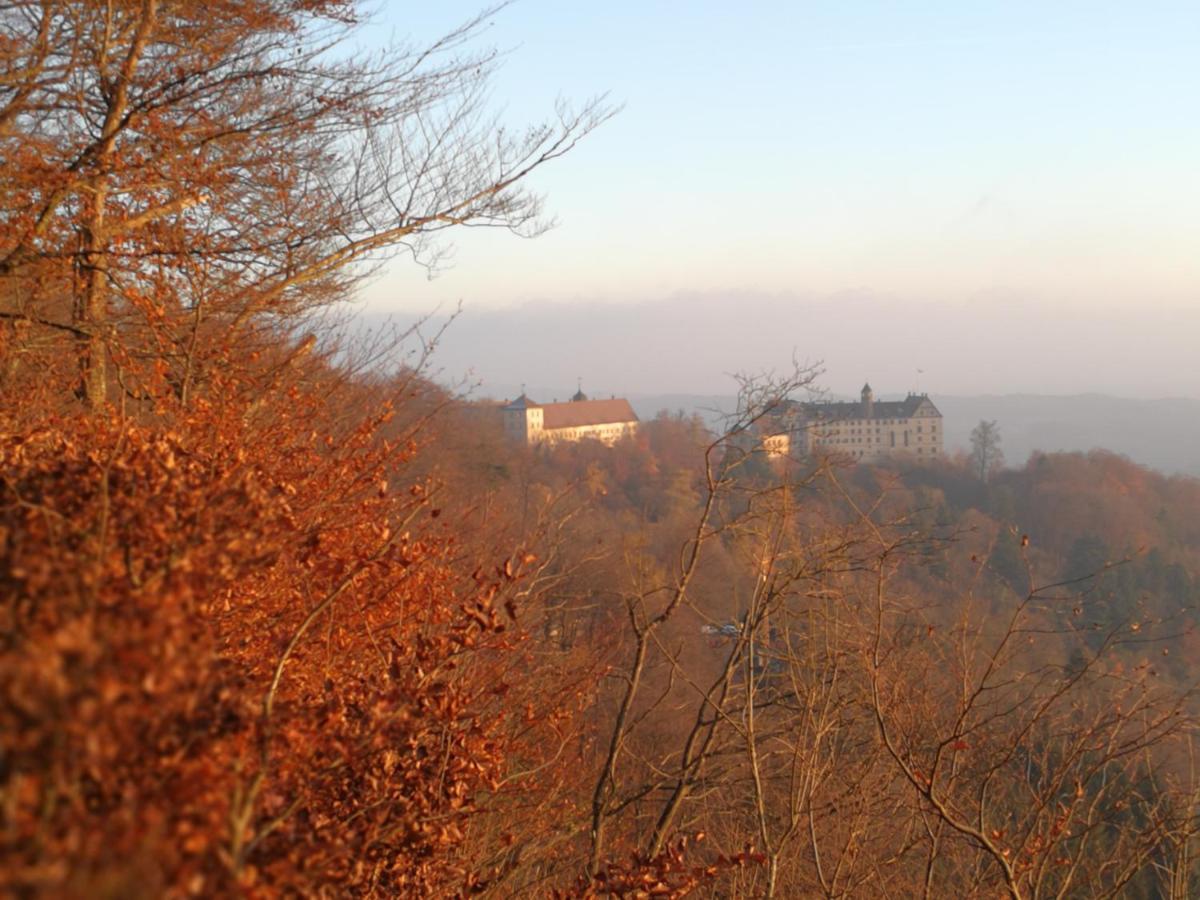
{"type": "Point", "coordinates": [281, 616]}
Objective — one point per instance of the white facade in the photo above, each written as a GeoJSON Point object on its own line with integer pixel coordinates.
{"type": "Point", "coordinates": [549, 423]}
{"type": "Point", "coordinates": [867, 431]}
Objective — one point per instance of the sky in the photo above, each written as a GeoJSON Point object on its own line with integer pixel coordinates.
{"type": "Point", "coordinates": [1005, 195]}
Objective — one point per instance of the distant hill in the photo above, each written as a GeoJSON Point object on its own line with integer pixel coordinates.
{"type": "Point", "coordinates": [1162, 434]}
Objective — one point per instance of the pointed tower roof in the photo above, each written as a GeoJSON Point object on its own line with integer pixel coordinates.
{"type": "Point", "coordinates": [523, 402]}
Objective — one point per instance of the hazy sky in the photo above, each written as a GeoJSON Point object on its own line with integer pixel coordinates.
{"type": "Point", "coordinates": [936, 162]}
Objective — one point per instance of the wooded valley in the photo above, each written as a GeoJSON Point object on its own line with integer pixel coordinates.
{"type": "Point", "coordinates": [281, 616]}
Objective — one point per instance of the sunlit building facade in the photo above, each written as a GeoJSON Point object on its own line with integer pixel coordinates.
{"type": "Point", "coordinates": [549, 423]}
{"type": "Point", "coordinates": [869, 430]}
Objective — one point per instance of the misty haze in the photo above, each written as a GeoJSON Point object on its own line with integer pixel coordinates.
{"type": "Point", "coordinates": [599, 450]}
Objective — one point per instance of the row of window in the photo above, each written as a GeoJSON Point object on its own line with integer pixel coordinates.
{"type": "Point", "coordinates": [571, 434]}
{"type": "Point", "coordinates": [933, 451]}
{"type": "Point", "coordinates": [820, 439]}
{"type": "Point", "coordinates": [867, 430]}
{"type": "Point", "coordinates": [884, 421]}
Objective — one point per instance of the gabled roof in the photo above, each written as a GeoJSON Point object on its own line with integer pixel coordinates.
{"type": "Point", "coordinates": [586, 412]}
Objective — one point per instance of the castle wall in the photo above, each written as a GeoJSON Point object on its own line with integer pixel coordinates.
{"type": "Point", "coordinates": [919, 436]}
{"type": "Point", "coordinates": [608, 433]}
{"type": "Point", "coordinates": [551, 423]}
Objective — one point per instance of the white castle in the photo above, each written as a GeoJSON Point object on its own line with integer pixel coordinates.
{"type": "Point", "coordinates": [866, 431]}
{"type": "Point", "coordinates": [535, 423]}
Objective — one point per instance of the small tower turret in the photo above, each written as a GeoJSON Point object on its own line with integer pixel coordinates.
{"type": "Point", "coordinates": [868, 402]}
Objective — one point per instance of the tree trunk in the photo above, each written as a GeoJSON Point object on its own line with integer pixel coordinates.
{"type": "Point", "coordinates": [91, 307]}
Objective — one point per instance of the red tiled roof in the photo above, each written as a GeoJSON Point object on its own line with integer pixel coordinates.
{"type": "Point", "coordinates": [586, 412]}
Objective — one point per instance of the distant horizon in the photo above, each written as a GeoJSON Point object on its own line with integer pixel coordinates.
{"type": "Point", "coordinates": [1004, 196]}
{"type": "Point", "coordinates": [540, 394]}
{"type": "Point", "coordinates": [692, 343]}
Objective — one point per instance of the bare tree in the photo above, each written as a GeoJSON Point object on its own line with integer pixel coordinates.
{"type": "Point", "coordinates": [1039, 767]}
{"type": "Point", "coordinates": [177, 175]}
{"type": "Point", "coordinates": [657, 787]}
{"type": "Point", "coordinates": [986, 455]}
{"type": "Point", "coordinates": [870, 738]}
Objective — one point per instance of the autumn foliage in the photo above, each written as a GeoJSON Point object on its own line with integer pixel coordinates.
{"type": "Point", "coordinates": [236, 656]}
{"type": "Point", "coordinates": [281, 617]}
{"type": "Point", "coordinates": [238, 650]}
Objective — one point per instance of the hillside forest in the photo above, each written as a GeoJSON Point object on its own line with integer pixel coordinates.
{"type": "Point", "coordinates": [280, 615]}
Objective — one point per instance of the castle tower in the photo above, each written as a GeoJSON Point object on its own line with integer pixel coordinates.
{"type": "Point", "coordinates": [868, 402]}
{"type": "Point", "coordinates": [524, 419]}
